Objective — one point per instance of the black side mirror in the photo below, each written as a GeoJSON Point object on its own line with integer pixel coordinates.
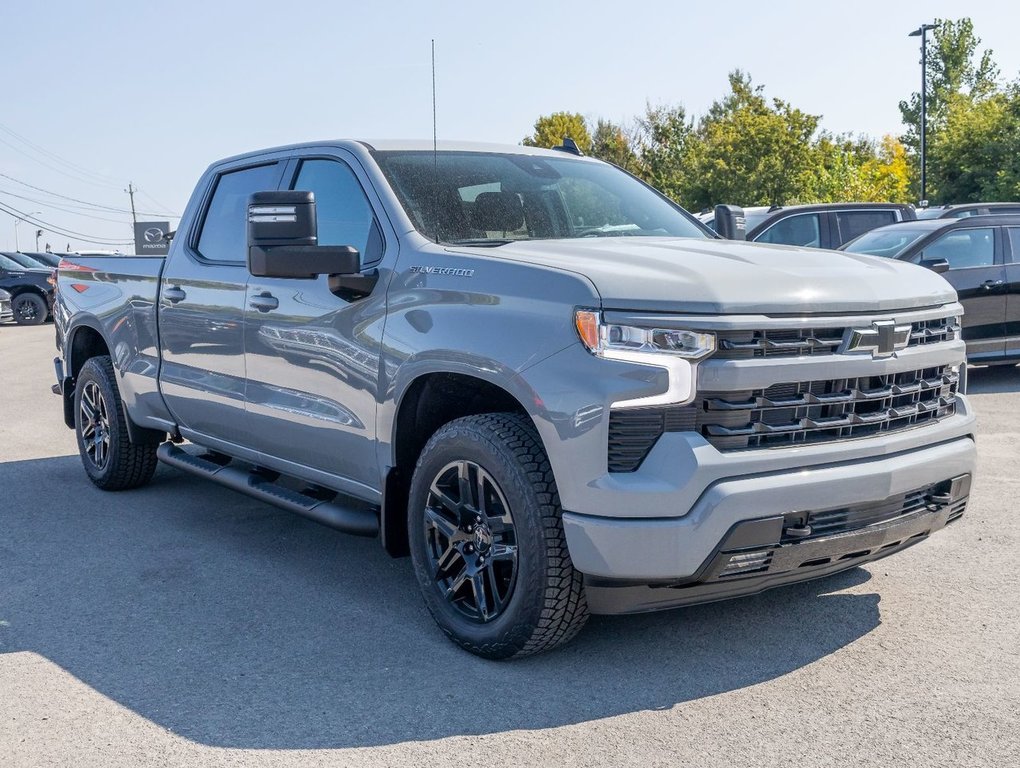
{"type": "Point", "coordinates": [935, 265]}
{"type": "Point", "coordinates": [730, 222]}
{"type": "Point", "coordinates": [283, 239]}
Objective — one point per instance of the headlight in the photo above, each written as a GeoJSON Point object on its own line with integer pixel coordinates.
{"type": "Point", "coordinates": [676, 351]}
{"type": "Point", "coordinates": [601, 338]}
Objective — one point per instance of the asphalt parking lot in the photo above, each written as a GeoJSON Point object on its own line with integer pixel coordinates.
{"type": "Point", "coordinates": [185, 624]}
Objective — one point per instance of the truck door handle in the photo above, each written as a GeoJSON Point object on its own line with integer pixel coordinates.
{"type": "Point", "coordinates": [989, 284]}
{"type": "Point", "coordinates": [264, 302]}
{"type": "Point", "coordinates": [175, 294]}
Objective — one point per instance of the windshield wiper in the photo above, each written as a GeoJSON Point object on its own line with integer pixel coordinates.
{"type": "Point", "coordinates": [484, 242]}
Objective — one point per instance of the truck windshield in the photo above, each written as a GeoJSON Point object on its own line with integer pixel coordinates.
{"type": "Point", "coordinates": [490, 199]}
{"type": "Point", "coordinates": [889, 242]}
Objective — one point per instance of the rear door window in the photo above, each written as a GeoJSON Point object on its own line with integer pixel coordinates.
{"type": "Point", "coordinates": [224, 235]}
{"type": "Point", "coordinates": [802, 229]}
{"type": "Point", "coordinates": [964, 248]}
{"type": "Point", "coordinates": [851, 224]}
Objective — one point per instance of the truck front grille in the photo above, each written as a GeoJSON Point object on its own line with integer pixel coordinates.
{"type": "Point", "coordinates": [806, 342]}
{"type": "Point", "coordinates": [788, 414]}
{"type": "Point", "coordinates": [833, 409]}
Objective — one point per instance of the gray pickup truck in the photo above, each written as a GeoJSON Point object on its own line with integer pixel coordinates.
{"type": "Point", "coordinates": [548, 384]}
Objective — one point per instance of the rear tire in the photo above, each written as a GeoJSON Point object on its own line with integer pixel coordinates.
{"type": "Point", "coordinates": [111, 460]}
{"type": "Point", "coordinates": [29, 309]}
{"type": "Point", "coordinates": [487, 542]}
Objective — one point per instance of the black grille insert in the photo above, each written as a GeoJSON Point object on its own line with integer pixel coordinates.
{"type": "Point", "coordinates": [834, 409]}
{"type": "Point", "coordinates": [807, 342]}
{"type": "Point", "coordinates": [790, 413]}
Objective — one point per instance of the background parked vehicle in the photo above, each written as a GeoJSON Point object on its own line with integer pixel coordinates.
{"type": "Point", "coordinates": [963, 210]}
{"type": "Point", "coordinates": [47, 259]}
{"type": "Point", "coordinates": [6, 313]}
{"type": "Point", "coordinates": [28, 261]}
{"type": "Point", "coordinates": [980, 256]}
{"type": "Point", "coordinates": [823, 225]}
{"type": "Point", "coordinates": [30, 289]}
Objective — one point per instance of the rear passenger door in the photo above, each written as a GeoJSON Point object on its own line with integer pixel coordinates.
{"type": "Point", "coordinates": [849, 224]}
{"type": "Point", "coordinates": [201, 311]}
{"type": "Point", "coordinates": [977, 273]}
{"type": "Point", "coordinates": [1012, 243]}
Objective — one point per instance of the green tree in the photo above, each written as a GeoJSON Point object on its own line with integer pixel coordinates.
{"type": "Point", "coordinates": [957, 77]}
{"type": "Point", "coordinates": [611, 142]}
{"type": "Point", "coordinates": [977, 153]}
{"type": "Point", "coordinates": [665, 144]}
{"type": "Point", "coordinates": [550, 130]}
{"type": "Point", "coordinates": [848, 168]}
{"type": "Point", "coordinates": [750, 151]}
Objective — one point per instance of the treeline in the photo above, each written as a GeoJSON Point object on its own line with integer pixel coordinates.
{"type": "Point", "coordinates": [751, 150]}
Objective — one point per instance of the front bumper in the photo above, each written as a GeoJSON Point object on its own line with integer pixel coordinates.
{"type": "Point", "coordinates": [677, 549]}
{"type": "Point", "coordinates": [754, 557]}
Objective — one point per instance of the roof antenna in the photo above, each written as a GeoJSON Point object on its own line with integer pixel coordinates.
{"type": "Point", "coordinates": [435, 140]}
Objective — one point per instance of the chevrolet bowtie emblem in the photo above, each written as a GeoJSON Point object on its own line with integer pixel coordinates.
{"type": "Point", "coordinates": [882, 339]}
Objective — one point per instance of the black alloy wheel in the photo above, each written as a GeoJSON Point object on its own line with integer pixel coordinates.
{"type": "Point", "coordinates": [95, 425]}
{"type": "Point", "coordinates": [110, 459]}
{"type": "Point", "coordinates": [485, 530]}
{"type": "Point", "coordinates": [471, 541]}
{"type": "Point", "coordinates": [29, 309]}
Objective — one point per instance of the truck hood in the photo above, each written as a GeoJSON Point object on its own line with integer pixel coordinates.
{"type": "Point", "coordinates": [726, 277]}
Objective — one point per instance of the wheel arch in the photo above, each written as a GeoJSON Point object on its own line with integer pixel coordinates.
{"type": "Point", "coordinates": [83, 341]}
{"type": "Point", "coordinates": [429, 401]}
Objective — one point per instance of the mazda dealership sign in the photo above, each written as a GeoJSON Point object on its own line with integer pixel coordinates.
{"type": "Point", "coordinates": [151, 239]}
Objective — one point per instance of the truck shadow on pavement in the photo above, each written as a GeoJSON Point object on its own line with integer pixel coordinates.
{"type": "Point", "coordinates": [236, 625]}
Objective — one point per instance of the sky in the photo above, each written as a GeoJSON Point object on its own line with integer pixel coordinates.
{"type": "Point", "coordinates": [98, 95]}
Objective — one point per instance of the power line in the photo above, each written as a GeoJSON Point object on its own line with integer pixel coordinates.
{"type": "Point", "coordinates": [94, 177]}
{"type": "Point", "coordinates": [80, 178]}
{"type": "Point", "coordinates": [59, 230]}
{"type": "Point", "coordinates": [62, 208]}
{"type": "Point", "coordinates": [84, 202]}
{"type": "Point", "coordinates": [165, 208]}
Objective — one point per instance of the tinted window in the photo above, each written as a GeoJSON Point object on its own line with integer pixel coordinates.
{"type": "Point", "coordinates": [793, 230]}
{"type": "Point", "coordinates": [1014, 241]}
{"type": "Point", "coordinates": [8, 263]}
{"type": "Point", "coordinates": [225, 229]}
{"type": "Point", "coordinates": [342, 211]}
{"type": "Point", "coordinates": [889, 242]}
{"type": "Point", "coordinates": [964, 248]}
{"type": "Point", "coordinates": [962, 214]}
{"type": "Point", "coordinates": [854, 223]}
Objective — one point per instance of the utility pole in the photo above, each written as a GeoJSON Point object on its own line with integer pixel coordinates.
{"type": "Point", "coordinates": [38, 234]}
{"type": "Point", "coordinates": [131, 193]}
{"type": "Point", "coordinates": [922, 32]}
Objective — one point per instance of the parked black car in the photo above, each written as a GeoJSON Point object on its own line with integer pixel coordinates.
{"type": "Point", "coordinates": [29, 260]}
{"type": "Point", "coordinates": [6, 313]}
{"type": "Point", "coordinates": [964, 210]}
{"type": "Point", "coordinates": [980, 256]}
{"type": "Point", "coordinates": [51, 260]}
{"type": "Point", "coordinates": [823, 225]}
{"type": "Point", "coordinates": [30, 289]}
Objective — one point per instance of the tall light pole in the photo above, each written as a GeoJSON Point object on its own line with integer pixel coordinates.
{"type": "Point", "coordinates": [922, 32]}
{"type": "Point", "coordinates": [17, 221]}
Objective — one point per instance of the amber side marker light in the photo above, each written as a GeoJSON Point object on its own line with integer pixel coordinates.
{"type": "Point", "coordinates": [587, 324]}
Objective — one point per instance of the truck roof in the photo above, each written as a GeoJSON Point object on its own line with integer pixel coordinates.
{"type": "Point", "coordinates": [409, 145]}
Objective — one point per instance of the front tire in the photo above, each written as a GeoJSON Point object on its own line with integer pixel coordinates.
{"type": "Point", "coordinates": [111, 460]}
{"type": "Point", "coordinates": [487, 540]}
{"type": "Point", "coordinates": [29, 309]}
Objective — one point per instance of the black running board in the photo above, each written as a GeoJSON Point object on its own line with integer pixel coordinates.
{"type": "Point", "coordinates": [359, 521]}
